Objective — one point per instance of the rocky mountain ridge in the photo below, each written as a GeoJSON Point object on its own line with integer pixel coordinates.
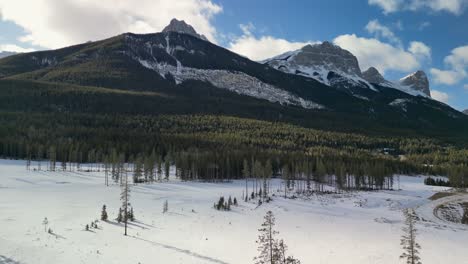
{"type": "Point", "coordinates": [334, 66]}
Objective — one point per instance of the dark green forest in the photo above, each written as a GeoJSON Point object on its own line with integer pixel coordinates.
{"type": "Point", "coordinates": [219, 141]}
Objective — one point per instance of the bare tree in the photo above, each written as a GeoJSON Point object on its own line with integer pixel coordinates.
{"type": "Point", "coordinates": [408, 240]}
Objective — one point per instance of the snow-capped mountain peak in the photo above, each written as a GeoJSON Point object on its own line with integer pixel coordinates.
{"type": "Point", "coordinates": [181, 27]}
{"type": "Point", "coordinates": [325, 62]}
{"type": "Point", "coordinates": [372, 75]}
{"type": "Point", "coordinates": [417, 81]}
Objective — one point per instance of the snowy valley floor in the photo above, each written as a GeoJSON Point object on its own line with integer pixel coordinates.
{"type": "Point", "coordinates": [359, 227]}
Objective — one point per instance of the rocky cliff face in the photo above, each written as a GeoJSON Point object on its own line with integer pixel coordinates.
{"type": "Point", "coordinates": [324, 62]}
{"type": "Point", "coordinates": [417, 81]}
{"type": "Point", "coordinates": [372, 75]}
{"type": "Point", "coordinates": [181, 27]}
{"type": "Point", "coordinates": [339, 68]}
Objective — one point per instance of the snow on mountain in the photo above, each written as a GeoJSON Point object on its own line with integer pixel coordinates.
{"type": "Point", "coordinates": [415, 84]}
{"type": "Point", "coordinates": [400, 103]}
{"type": "Point", "coordinates": [325, 62]}
{"type": "Point", "coordinates": [234, 81]}
{"type": "Point", "coordinates": [336, 67]}
{"type": "Point", "coordinates": [417, 81]}
{"type": "Point", "coordinates": [181, 27]}
{"type": "Point", "coordinates": [372, 75]}
{"type": "Point", "coordinates": [465, 111]}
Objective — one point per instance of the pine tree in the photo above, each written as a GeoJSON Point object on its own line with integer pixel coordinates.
{"type": "Point", "coordinates": [125, 198]}
{"type": "Point", "coordinates": [119, 216]}
{"type": "Point", "coordinates": [220, 204]}
{"type": "Point", "coordinates": [131, 216]}
{"type": "Point", "coordinates": [246, 174]}
{"type": "Point", "coordinates": [408, 240]}
{"type": "Point", "coordinates": [167, 167]}
{"type": "Point", "coordinates": [104, 213]}
{"type": "Point", "coordinates": [266, 241]}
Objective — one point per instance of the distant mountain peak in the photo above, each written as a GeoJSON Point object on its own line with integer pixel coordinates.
{"type": "Point", "coordinates": [324, 62]}
{"type": "Point", "coordinates": [4, 54]}
{"type": "Point", "coordinates": [417, 81]}
{"type": "Point", "coordinates": [372, 75]}
{"type": "Point", "coordinates": [181, 27]}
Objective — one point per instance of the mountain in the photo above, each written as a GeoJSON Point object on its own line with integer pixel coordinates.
{"type": "Point", "coordinates": [417, 81]}
{"type": "Point", "coordinates": [181, 27]}
{"type": "Point", "coordinates": [189, 75]}
{"type": "Point", "coordinates": [465, 111]}
{"type": "Point", "coordinates": [325, 62]}
{"type": "Point", "coordinates": [334, 66]}
{"type": "Point", "coordinates": [372, 75]}
{"type": "Point", "coordinates": [4, 54]}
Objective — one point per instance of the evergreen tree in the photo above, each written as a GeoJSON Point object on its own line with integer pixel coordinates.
{"type": "Point", "coordinates": [167, 167]}
{"type": "Point", "coordinates": [104, 213]}
{"type": "Point", "coordinates": [267, 245]}
{"type": "Point", "coordinates": [166, 207]}
{"type": "Point", "coordinates": [119, 216]}
{"type": "Point", "coordinates": [131, 216]}
{"type": "Point", "coordinates": [246, 174]}
{"type": "Point", "coordinates": [408, 240]}
{"type": "Point", "coordinates": [125, 198]}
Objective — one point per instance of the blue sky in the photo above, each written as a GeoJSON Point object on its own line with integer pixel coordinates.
{"type": "Point", "coordinates": [396, 36]}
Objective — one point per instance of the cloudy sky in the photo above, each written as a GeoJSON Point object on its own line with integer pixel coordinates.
{"type": "Point", "coordinates": [395, 36]}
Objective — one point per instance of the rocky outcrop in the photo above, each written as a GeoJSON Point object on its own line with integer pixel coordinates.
{"type": "Point", "coordinates": [324, 62]}
{"type": "Point", "coordinates": [372, 75]}
{"type": "Point", "coordinates": [181, 27]}
{"type": "Point", "coordinates": [417, 81]}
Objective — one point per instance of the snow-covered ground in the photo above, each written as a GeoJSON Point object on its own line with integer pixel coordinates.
{"type": "Point", "coordinates": [362, 228]}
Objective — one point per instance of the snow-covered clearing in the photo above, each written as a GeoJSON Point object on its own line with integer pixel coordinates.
{"type": "Point", "coordinates": [359, 227]}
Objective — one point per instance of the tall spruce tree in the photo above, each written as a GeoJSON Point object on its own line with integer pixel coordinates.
{"type": "Point", "coordinates": [266, 241]}
{"type": "Point", "coordinates": [125, 198]}
{"type": "Point", "coordinates": [408, 240]}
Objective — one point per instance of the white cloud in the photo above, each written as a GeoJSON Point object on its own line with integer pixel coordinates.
{"type": "Point", "coordinates": [424, 25]}
{"type": "Point", "coordinates": [440, 96]}
{"type": "Point", "coordinates": [14, 48]}
{"type": "Point", "coordinates": [388, 6]}
{"type": "Point", "coordinates": [456, 7]}
{"type": "Point", "coordinates": [420, 49]}
{"type": "Point", "coordinates": [446, 77]}
{"type": "Point", "coordinates": [380, 31]}
{"type": "Point", "coordinates": [261, 48]}
{"type": "Point", "coordinates": [458, 59]}
{"type": "Point", "coordinates": [383, 56]}
{"type": "Point", "coordinates": [58, 23]}
{"type": "Point", "coordinates": [457, 67]}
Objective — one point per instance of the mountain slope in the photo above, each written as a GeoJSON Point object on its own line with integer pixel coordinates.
{"type": "Point", "coordinates": [4, 54]}
{"type": "Point", "coordinates": [186, 69]}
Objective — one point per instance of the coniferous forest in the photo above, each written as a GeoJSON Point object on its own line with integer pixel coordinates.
{"type": "Point", "coordinates": [69, 124]}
